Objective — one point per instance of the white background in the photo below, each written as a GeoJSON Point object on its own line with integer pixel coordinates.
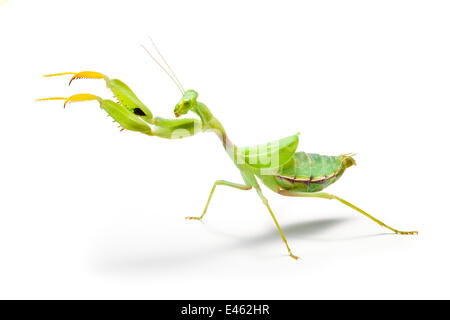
{"type": "Point", "coordinates": [87, 211]}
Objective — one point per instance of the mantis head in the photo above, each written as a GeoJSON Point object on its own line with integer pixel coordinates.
{"type": "Point", "coordinates": [187, 102]}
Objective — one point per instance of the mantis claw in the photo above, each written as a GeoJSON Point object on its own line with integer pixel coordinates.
{"type": "Point", "coordinates": [80, 75]}
{"type": "Point", "coordinates": [87, 75]}
{"type": "Point", "coordinates": [125, 118]}
{"type": "Point", "coordinates": [120, 90]}
{"type": "Point", "coordinates": [74, 98]}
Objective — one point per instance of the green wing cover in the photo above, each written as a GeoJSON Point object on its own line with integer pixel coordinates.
{"type": "Point", "coordinates": [269, 155]}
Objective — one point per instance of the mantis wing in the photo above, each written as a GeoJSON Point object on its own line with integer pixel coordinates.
{"type": "Point", "coordinates": [270, 155]}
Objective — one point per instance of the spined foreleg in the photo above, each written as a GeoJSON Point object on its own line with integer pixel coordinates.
{"type": "Point", "coordinates": [130, 112]}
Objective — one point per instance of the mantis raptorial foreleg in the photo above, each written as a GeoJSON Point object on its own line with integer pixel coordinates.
{"type": "Point", "coordinates": [126, 119]}
{"type": "Point", "coordinates": [130, 112]}
{"type": "Point", "coordinates": [220, 183]}
{"type": "Point", "coordinates": [175, 128]}
{"type": "Point", "coordinates": [126, 97]}
{"type": "Point", "coordinates": [324, 195]}
{"type": "Point", "coordinates": [163, 128]}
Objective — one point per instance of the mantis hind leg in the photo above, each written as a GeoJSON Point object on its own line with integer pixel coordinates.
{"type": "Point", "coordinates": [219, 183]}
{"type": "Point", "coordinates": [324, 195]}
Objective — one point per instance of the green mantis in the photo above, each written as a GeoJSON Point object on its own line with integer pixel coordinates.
{"type": "Point", "coordinates": [277, 164]}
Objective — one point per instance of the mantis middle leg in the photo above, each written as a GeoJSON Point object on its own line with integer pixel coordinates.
{"type": "Point", "coordinates": [260, 194]}
{"type": "Point", "coordinates": [324, 195]}
{"type": "Point", "coordinates": [222, 183]}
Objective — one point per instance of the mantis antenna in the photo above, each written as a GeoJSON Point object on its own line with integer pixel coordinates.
{"type": "Point", "coordinates": [159, 64]}
{"type": "Point", "coordinates": [168, 66]}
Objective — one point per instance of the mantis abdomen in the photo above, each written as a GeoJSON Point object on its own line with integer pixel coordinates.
{"type": "Point", "coordinates": [311, 172]}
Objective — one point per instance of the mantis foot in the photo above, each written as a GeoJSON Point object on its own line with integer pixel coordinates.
{"type": "Point", "coordinates": [406, 232]}
{"type": "Point", "coordinates": [194, 218]}
{"type": "Point", "coordinates": [294, 257]}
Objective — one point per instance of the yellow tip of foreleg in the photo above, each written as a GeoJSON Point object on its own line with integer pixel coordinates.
{"type": "Point", "coordinates": [75, 98]}
{"type": "Point", "coordinates": [79, 75]}
{"type": "Point", "coordinates": [53, 98]}
{"type": "Point", "coordinates": [87, 75]}
{"type": "Point", "coordinates": [58, 74]}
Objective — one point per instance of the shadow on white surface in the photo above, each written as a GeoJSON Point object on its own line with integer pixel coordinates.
{"type": "Point", "coordinates": [119, 261]}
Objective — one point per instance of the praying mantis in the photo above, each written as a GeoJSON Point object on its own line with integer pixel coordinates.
{"type": "Point", "coordinates": [277, 164]}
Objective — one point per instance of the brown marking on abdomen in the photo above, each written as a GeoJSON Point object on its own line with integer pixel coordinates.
{"type": "Point", "coordinates": [309, 180]}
